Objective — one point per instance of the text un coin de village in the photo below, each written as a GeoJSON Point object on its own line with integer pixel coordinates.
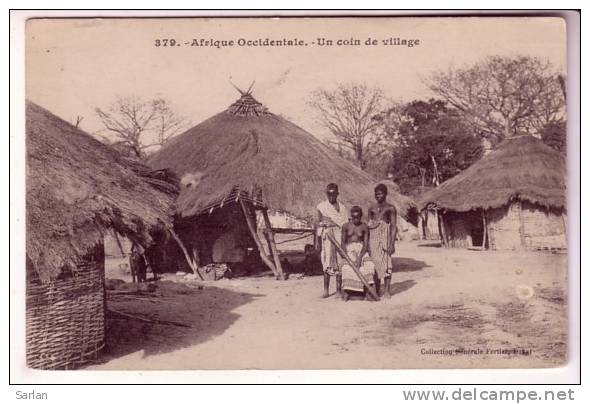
{"type": "Point", "coordinates": [267, 42]}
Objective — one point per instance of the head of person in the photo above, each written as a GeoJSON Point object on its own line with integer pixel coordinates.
{"type": "Point", "coordinates": [380, 193]}
{"type": "Point", "coordinates": [356, 214]}
{"type": "Point", "coordinates": [332, 192]}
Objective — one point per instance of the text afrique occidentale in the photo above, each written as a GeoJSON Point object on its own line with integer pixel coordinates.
{"type": "Point", "coordinates": [284, 42]}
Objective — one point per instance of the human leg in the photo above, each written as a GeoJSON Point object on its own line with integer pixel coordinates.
{"type": "Point", "coordinates": [326, 285]}
{"type": "Point", "coordinates": [339, 282]}
{"type": "Point", "coordinates": [377, 284]}
{"type": "Point", "coordinates": [386, 286]}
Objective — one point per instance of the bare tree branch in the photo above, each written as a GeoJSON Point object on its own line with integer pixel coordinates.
{"type": "Point", "coordinates": [133, 121]}
{"type": "Point", "coordinates": [348, 113]}
{"type": "Point", "coordinates": [503, 96]}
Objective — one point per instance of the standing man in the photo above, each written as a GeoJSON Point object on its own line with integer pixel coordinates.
{"type": "Point", "coordinates": [331, 216]}
{"type": "Point", "coordinates": [137, 264]}
{"type": "Point", "coordinates": [383, 230]}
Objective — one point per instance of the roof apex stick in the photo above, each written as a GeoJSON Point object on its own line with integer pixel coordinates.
{"type": "Point", "coordinates": [237, 88]}
{"type": "Point", "coordinates": [249, 91]}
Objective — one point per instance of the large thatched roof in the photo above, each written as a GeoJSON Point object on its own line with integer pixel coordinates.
{"type": "Point", "coordinates": [248, 149]}
{"type": "Point", "coordinates": [77, 187]}
{"type": "Point", "coordinates": [521, 167]}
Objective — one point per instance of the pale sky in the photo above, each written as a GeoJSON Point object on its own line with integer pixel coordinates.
{"type": "Point", "coordinates": [76, 65]}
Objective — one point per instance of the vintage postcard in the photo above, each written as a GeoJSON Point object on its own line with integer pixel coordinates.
{"type": "Point", "coordinates": [296, 193]}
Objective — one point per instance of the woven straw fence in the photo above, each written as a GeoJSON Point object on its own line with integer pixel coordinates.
{"type": "Point", "coordinates": [66, 319]}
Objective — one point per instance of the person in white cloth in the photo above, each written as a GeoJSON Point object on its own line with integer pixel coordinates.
{"type": "Point", "coordinates": [331, 216]}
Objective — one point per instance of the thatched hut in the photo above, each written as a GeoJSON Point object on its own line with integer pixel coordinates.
{"type": "Point", "coordinates": [428, 226]}
{"type": "Point", "coordinates": [76, 189]}
{"type": "Point", "coordinates": [513, 198]}
{"type": "Point", "coordinates": [246, 160]}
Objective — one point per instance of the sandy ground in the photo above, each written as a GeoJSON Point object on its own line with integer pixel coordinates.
{"type": "Point", "coordinates": [451, 309]}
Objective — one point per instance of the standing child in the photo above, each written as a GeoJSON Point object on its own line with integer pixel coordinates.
{"type": "Point", "coordinates": [383, 227]}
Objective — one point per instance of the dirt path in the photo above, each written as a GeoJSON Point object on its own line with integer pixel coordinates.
{"type": "Point", "coordinates": [488, 309]}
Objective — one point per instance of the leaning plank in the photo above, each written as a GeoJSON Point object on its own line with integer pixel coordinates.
{"type": "Point", "coordinates": [354, 268]}
{"type": "Point", "coordinates": [273, 247]}
{"type": "Point", "coordinates": [148, 320]}
{"type": "Point", "coordinates": [252, 228]}
{"type": "Point", "coordinates": [119, 243]}
{"type": "Point", "coordinates": [285, 230]}
{"type": "Point", "coordinates": [192, 265]}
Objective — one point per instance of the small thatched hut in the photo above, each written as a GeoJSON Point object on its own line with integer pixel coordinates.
{"type": "Point", "coordinates": [247, 159]}
{"type": "Point", "coordinates": [513, 198]}
{"type": "Point", "coordinates": [428, 226]}
{"type": "Point", "coordinates": [76, 189]}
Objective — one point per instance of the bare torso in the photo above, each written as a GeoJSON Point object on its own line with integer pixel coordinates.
{"type": "Point", "coordinates": [352, 233]}
{"type": "Point", "coordinates": [384, 211]}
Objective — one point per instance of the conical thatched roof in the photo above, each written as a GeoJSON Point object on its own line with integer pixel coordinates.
{"type": "Point", "coordinates": [521, 167]}
{"type": "Point", "coordinates": [249, 150]}
{"type": "Point", "coordinates": [77, 187]}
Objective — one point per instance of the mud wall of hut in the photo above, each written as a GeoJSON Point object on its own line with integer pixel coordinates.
{"type": "Point", "coordinates": [406, 230]}
{"type": "Point", "coordinates": [524, 225]}
{"type": "Point", "coordinates": [463, 229]}
{"type": "Point", "coordinates": [504, 227]}
{"type": "Point", "coordinates": [428, 225]}
{"type": "Point", "coordinates": [282, 220]}
{"type": "Point", "coordinates": [543, 228]}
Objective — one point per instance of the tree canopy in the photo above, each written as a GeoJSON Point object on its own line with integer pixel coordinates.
{"type": "Point", "coordinates": [431, 143]}
{"type": "Point", "coordinates": [503, 96]}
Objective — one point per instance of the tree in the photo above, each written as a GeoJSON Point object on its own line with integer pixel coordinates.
{"type": "Point", "coordinates": [431, 144]}
{"type": "Point", "coordinates": [555, 135]}
{"type": "Point", "coordinates": [503, 96]}
{"type": "Point", "coordinates": [348, 112]}
{"type": "Point", "coordinates": [139, 125]}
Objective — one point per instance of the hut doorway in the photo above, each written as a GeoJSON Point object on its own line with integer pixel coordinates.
{"type": "Point", "coordinates": [476, 231]}
{"type": "Point", "coordinates": [465, 229]}
{"type": "Point", "coordinates": [227, 237]}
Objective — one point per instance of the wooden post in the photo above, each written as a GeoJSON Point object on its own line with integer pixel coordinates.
{"type": "Point", "coordinates": [521, 224]}
{"type": "Point", "coordinates": [354, 268]}
{"type": "Point", "coordinates": [273, 246]}
{"type": "Point", "coordinates": [252, 228]}
{"type": "Point", "coordinates": [315, 238]}
{"type": "Point", "coordinates": [485, 230]}
{"type": "Point", "coordinates": [421, 225]}
{"type": "Point", "coordinates": [189, 260]}
{"type": "Point", "coordinates": [441, 228]}
{"type": "Point", "coordinates": [195, 253]}
{"type": "Point", "coordinates": [119, 243]}
{"type": "Point", "coordinates": [267, 238]}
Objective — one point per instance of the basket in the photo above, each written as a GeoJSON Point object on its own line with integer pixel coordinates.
{"type": "Point", "coordinates": [65, 323]}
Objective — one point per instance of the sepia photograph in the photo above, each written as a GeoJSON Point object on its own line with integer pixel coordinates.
{"type": "Point", "coordinates": [308, 193]}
